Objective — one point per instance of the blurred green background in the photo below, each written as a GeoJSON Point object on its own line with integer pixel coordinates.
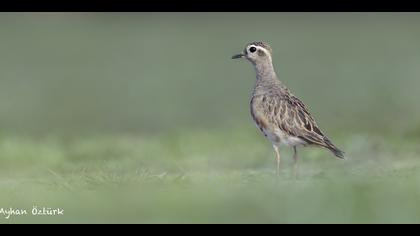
{"type": "Point", "coordinates": [144, 118]}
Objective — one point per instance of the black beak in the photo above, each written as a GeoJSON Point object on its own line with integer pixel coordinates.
{"type": "Point", "coordinates": [240, 55]}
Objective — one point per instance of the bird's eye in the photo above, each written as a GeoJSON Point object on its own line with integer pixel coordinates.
{"type": "Point", "coordinates": [252, 49]}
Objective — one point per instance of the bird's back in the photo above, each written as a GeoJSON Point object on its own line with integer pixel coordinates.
{"type": "Point", "coordinates": [283, 118]}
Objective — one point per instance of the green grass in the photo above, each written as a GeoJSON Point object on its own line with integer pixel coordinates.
{"type": "Point", "coordinates": [209, 177]}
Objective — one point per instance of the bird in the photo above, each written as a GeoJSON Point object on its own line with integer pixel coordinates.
{"type": "Point", "coordinates": [280, 116]}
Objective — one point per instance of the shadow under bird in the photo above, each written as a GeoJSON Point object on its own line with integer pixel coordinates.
{"type": "Point", "coordinates": [281, 116]}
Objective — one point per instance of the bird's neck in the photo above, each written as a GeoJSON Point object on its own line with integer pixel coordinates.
{"type": "Point", "coordinates": [266, 75]}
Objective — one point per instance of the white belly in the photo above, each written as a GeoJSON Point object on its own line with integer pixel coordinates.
{"type": "Point", "coordinates": [278, 137]}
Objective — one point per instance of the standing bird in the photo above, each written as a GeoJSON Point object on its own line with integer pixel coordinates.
{"type": "Point", "coordinates": [279, 115]}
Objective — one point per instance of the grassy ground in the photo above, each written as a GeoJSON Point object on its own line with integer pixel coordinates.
{"type": "Point", "coordinates": [209, 177]}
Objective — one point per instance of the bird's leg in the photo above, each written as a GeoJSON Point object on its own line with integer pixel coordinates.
{"type": "Point", "coordinates": [276, 149]}
{"type": "Point", "coordinates": [295, 162]}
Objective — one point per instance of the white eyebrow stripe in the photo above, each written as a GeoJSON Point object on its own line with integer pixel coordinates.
{"type": "Point", "coordinates": [258, 47]}
{"type": "Point", "coordinates": [263, 49]}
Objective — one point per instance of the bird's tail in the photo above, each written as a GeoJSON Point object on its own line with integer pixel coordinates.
{"type": "Point", "coordinates": [335, 150]}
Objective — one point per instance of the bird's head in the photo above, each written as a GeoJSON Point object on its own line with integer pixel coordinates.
{"type": "Point", "coordinates": [256, 52]}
